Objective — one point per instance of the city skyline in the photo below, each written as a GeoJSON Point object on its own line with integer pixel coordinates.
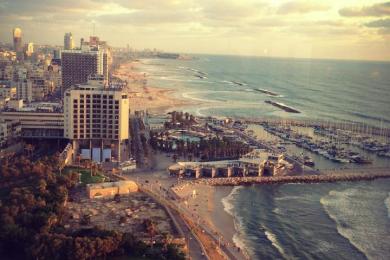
{"type": "Point", "coordinates": [300, 29]}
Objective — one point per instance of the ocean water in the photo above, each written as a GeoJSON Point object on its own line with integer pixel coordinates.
{"type": "Point", "coordinates": [319, 89]}
{"type": "Point", "coordinates": [294, 221]}
{"type": "Point", "coordinates": [313, 221]}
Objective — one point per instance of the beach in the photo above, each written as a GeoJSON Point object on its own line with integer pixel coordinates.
{"type": "Point", "coordinates": [290, 219]}
{"type": "Point", "coordinates": [145, 97]}
{"type": "Point", "coordinates": [208, 206]}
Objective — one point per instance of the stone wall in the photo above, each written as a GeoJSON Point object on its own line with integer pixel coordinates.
{"type": "Point", "coordinates": [110, 189]}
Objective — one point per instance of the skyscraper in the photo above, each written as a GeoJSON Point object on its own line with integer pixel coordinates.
{"type": "Point", "coordinates": [29, 49]}
{"type": "Point", "coordinates": [18, 46]}
{"type": "Point", "coordinates": [68, 41]}
{"type": "Point", "coordinates": [78, 65]}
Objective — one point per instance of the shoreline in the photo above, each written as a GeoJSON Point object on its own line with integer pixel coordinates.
{"type": "Point", "coordinates": [208, 207]}
{"type": "Point", "coordinates": [209, 200]}
{"type": "Point", "coordinates": [146, 97]}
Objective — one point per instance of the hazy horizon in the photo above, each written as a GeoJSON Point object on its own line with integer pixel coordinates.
{"type": "Point", "coordinates": [351, 30]}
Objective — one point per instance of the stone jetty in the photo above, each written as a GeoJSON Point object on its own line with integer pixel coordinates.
{"type": "Point", "coordinates": [234, 181]}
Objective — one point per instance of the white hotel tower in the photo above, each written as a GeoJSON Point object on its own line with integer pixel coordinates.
{"type": "Point", "coordinates": [97, 119]}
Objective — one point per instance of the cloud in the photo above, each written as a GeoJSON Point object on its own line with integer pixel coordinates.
{"type": "Point", "coordinates": [146, 17]}
{"type": "Point", "coordinates": [270, 22]}
{"type": "Point", "coordinates": [229, 10]}
{"type": "Point", "coordinates": [301, 7]}
{"type": "Point", "coordinates": [381, 9]}
{"type": "Point", "coordinates": [384, 23]}
{"type": "Point", "coordinates": [148, 4]}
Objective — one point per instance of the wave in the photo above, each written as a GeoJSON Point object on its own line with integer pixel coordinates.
{"type": "Point", "coordinates": [198, 113]}
{"type": "Point", "coordinates": [180, 80]}
{"type": "Point", "coordinates": [277, 211]}
{"type": "Point", "coordinates": [198, 71]}
{"type": "Point", "coordinates": [189, 96]}
{"type": "Point", "coordinates": [274, 241]}
{"type": "Point", "coordinates": [239, 237]}
{"type": "Point", "coordinates": [228, 201]}
{"type": "Point", "coordinates": [228, 82]}
{"type": "Point", "coordinates": [387, 204]}
{"type": "Point", "coordinates": [358, 219]}
{"type": "Point", "coordinates": [289, 198]}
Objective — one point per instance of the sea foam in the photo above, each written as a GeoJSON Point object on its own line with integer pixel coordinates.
{"type": "Point", "coordinates": [352, 210]}
{"type": "Point", "coordinates": [275, 243]}
{"type": "Point", "coordinates": [387, 204]}
{"type": "Point", "coordinates": [238, 238]}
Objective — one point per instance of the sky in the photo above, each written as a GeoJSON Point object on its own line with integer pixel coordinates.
{"type": "Point", "coordinates": [336, 29]}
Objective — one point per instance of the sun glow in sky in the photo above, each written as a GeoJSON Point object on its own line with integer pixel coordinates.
{"type": "Point", "coordinates": [347, 29]}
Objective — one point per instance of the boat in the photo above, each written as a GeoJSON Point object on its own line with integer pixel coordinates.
{"type": "Point", "coordinates": [361, 160]}
{"type": "Point", "coordinates": [308, 161]}
{"type": "Point", "coordinates": [384, 154]}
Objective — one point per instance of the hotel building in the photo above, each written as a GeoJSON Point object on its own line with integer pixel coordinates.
{"type": "Point", "coordinates": [96, 119]}
{"type": "Point", "coordinates": [77, 65]}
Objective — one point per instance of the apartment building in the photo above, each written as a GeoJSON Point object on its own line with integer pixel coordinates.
{"type": "Point", "coordinates": [24, 90]}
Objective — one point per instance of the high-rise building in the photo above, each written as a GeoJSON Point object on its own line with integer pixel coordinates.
{"type": "Point", "coordinates": [68, 41]}
{"type": "Point", "coordinates": [29, 49]}
{"type": "Point", "coordinates": [57, 54]}
{"type": "Point", "coordinates": [78, 65]}
{"type": "Point", "coordinates": [18, 45]}
{"type": "Point", "coordinates": [96, 119]}
{"type": "Point", "coordinates": [24, 90]}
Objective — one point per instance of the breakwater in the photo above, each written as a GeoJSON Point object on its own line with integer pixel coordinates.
{"type": "Point", "coordinates": [318, 178]}
{"type": "Point", "coordinates": [356, 127]}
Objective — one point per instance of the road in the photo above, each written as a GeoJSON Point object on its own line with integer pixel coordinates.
{"type": "Point", "coordinates": [138, 148]}
{"type": "Point", "coordinates": [195, 247]}
{"type": "Point", "coordinates": [158, 183]}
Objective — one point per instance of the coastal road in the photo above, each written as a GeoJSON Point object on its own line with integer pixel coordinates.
{"type": "Point", "coordinates": [195, 248]}
{"type": "Point", "coordinates": [159, 183]}
{"type": "Point", "coordinates": [229, 252]}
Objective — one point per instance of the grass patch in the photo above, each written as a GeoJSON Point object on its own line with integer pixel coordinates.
{"type": "Point", "coordinates": [86, 177]}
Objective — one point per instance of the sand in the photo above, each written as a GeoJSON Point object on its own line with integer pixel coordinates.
{"type": "Point", "coordinates": [148, 98]}
{"type": "Point", "coordinates": [207, 207]}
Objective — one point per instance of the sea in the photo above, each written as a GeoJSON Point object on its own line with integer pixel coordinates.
{"type": "Point", "coordinates": [294, 221]}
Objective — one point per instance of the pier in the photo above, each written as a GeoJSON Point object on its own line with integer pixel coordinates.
{"type": "Point", "coordinates": [331, 176]}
